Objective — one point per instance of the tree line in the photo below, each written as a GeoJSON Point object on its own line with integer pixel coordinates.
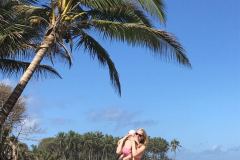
{"type": "Point", "coordinates": [92, 146]}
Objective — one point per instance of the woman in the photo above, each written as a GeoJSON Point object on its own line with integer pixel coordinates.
{"type": "Point", "coordinates": [138, 144]}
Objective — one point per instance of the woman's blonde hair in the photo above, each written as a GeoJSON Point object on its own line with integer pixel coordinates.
{"type": "Point", "coordinates": [145, 136]}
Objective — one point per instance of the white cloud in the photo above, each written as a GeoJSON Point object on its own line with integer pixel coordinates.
{"type": "Point", "coordinates": [35, 106]}
{"type": "Point", "coordinates": [7, 82]}
{"type": "Point", "coordinates": [30, 123]}
{"type": "Point", "coordinates": [28, 127]}
{"type": "Point", "coordinates": [234, 149]}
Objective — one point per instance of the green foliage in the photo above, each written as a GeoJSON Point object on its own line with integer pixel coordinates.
{"type": "Point", "coordinates": [157, 148]}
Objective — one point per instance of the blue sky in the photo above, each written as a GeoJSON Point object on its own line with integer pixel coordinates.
{"type": "Point", "coordinates": [199, 106]}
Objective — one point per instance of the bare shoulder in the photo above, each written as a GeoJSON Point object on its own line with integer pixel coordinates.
{"type": "Point", "coordinates": [141, 148]}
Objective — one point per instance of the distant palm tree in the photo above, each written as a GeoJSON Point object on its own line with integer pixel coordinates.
{"type": "Point", "coordinates": [175, 145]}
{"type": "Point", "coordinates": [71, 22]}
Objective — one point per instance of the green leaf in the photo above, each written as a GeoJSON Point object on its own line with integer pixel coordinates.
{"type": "Point", "coordinates": [96, 50]}
{"type": "Point", "coordinates": [155, 8]}
{"type": "Point", "coordinates": [160, 42]}
{"type": "Point", "coordinates": [11, 67]}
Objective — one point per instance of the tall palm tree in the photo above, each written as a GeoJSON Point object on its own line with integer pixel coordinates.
{"type": "Point", "coordinates": [175, 145]}
{"type": "Point", "coordinates": [68, 21]}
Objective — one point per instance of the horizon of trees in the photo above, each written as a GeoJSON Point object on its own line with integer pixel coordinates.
{"type": "Point", "coordinates": [92, 146]}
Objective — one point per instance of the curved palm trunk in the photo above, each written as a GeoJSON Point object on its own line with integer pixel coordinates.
{"type": "Point", "coordinates": [9, 104]}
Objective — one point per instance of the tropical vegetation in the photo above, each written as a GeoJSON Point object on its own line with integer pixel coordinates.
{"type": "Point", "coordinates": [89, 146]}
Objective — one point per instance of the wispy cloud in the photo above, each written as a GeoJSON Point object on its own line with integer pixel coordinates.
{"type": "Point", "coordinates": [28, 128]}
{"type": "Point", "coordinates": [234, 149]}
{"type": "Point", "coordinates": [7, 82]}
{"type": "Point", "coordinates": [30, 123]}
{"type": "Point", "coordinates": [119, 118]}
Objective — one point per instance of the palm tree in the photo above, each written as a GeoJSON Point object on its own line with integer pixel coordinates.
{"type": "Point", "coordinates": [175, 145]}
{"type": "Point", "coordinates": [68, 21]}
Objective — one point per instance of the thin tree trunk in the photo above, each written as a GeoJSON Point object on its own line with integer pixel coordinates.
{"type": "Point", "coordinates": [9, 104]}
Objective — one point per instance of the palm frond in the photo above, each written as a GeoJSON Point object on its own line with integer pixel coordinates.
{"type": "Point", "coordinates": [160, 42]}
{"type": "Point", "coordinates": [29, 12]}
{"type": "Point", "coordinates": [18, 39]}
{"type": "Point", "coordinates": [11, 39]}
{"type": "Point", "coordinates": [155, 8]}
{"type": "Point", "coordinates": [29, 1]}
{"type": "Point", "coordinates": [123, 12]}
{"type": "Point", "coordinates": [11, 67]}
{"type": "Point", "coordinates": [176, 50]}
{"type": "Point", "coordinates": [59, 52]}
{"type": "Point", "coordinates": [95, 49]}
{"type": "Point", "coordinates": [99, 4]}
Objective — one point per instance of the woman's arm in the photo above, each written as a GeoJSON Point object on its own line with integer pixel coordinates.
{"type": "Point", "coordinates": [129, 157]}
{"type": "Point", "coordinates": [137, 151]}
{"type": "Point", "coordinates": [120, 145]}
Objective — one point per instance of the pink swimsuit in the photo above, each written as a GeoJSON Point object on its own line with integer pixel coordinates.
{"type": "Point", "coordinates": [126, 151]}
